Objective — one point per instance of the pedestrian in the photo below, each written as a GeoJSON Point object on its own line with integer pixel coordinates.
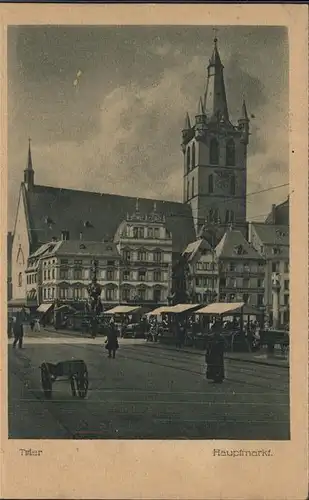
{"type": "Point", "coordinates": [37, 327]}
{"type": "Point", "coordinates": [18, 329]}
{"type": "Point", "coordinates": [32, 324]}
{"type": "Point", "coordinates": [112, 342]}
{"type": "Point", "coordinates": [214, 357]}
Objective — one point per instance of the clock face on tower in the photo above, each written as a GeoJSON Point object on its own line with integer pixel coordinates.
{"type": "Point", "coordinates": [223, 179]}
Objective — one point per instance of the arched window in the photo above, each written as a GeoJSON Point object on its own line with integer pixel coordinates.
{"type": "Point", "coordinates": [230, 153]}
{"type": "Point", "coordinates": [214, 152]}
{"type": "Point", "coordinates": [232, 184]}
{"type": "Point", "coordinates": [188, 190]}
{"type": "Point", "coordinates": [20, 279]}
{"type": "Point", "coordinates": [188, 158]}
{"type": "Point", "coordinates": [192, 187]}
{"type": "Point", "coordinates": [193, 156]}
{"type": "Point", "coordinates": [211, 183]}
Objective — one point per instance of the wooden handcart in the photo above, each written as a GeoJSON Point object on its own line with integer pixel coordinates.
{"type": "Point", "coordinates": [73, 370]}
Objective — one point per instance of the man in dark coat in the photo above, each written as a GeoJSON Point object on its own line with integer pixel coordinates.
{"type": "Point", "coordinates": [112, 341]}
{"type": "Point", "coordinates": [215, 357]}
{"type": "Point", "coordinates": [18, 330]}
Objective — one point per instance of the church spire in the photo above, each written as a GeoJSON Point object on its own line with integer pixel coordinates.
{"type": "Point", "coordinates": [244, 114]}
{"type": "Point", "coordinates": [29, 172]}
{"type": "Point", "coordinates": [215, 103]}
{"type": "Point", "coordinates": [243, 124]}
{"type": "Point", "coordinates": [187, 124]}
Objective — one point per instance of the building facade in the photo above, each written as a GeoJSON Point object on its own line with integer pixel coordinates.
{"type": "Point", "coordinates": [61, 270]}
{"type": "Point", "coordinates": [203, 277]}
{"type": "Point", "coordinates": [146, 248]}
{"type": "Point", "coordinates": [272, 241]}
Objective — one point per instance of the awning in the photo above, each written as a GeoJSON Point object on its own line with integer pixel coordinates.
{"type": "Point", "coordinates": [61, 308]}
{"type": "Point", "coordinates": [122, 310]}
{"type": "Point", "coordinates": [181, 308]}
{"type": "Point", "coordinates": [17, 303]}
{"type": "Point", "coordinates": [43, 308]}
{"type": "Point", "coordinates": [160, 310]}
{"type": "Point", "coordinates": [222, 308]}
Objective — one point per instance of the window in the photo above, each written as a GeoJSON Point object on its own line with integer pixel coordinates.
{"type": "Point", "coordinates": [48, 274]}
{"type": "Point", "coordinates": [229, 216]}
{"type": "Point", "coordinates": [188, 158]}
{"type": "Point", "coordinates": [126, 294]}
{"type": "Point", "coordinates": [150, 232]}
{"type": "Point", "coordinates": [157, 276]}
{"type": "Point", "coordinates": [232, 185]}
{"type": "Point", "coordinates": [261, 249]}
{"type": "Point", "coordinates": [77, 293]}
{"type": "Point", "coordinates": [126, 275]}
{"type": "Point", "coordinates": [110, 262]}
{"type": "Point", "coordinates": [157, 256]}
{"type": "Point", "coordinates": [210, 183]}
{"type": "Point", "coordinates": [49, 293]}
{"type": "Point", "coordinates": [188, 189]}
{"type": "Point", "coordinates": [141, 294]}
{"type": "Point", "coordinates": [286, 284]}
{"type": "Point", "coordinates": [233, 283]}
{"type": "Point", "coordinates": [286, 300]}
{"type": "Point", "coordinates": [214, 152]}
{"type": "Point", "coordinates": [141, 255]}
{"type": "Point", "coordinates": [135, 232]}
{"type": "Point", "coordinates": [275, 267]}
{"type": "Point", "coordinates": [286, 267]}
{"type": "Point", "coordinates": [157, 295]}
{"type": "Point", "coordinates": [142, 275]}
{"type": "Point", "coordinates": [232, 266]}
{"type": "Point", "coordinates": [53, 292]}
{"type": "Point", "coordinates": [44, 274]}
{"type": "Point", "coordinates": [62, 261]}
{"type": "Point", "coordinates": [110, 294]}
{"type": "Point", "coordinates": [276, 251]}
{"type": "Point", "coordinates": [192, 187]}
{"type": "Point", "coordinates": [260, 283]}
{"type": "Point", "coordinates": [77, 274]}
{"type": "Point", "coordinates": [64, 292]}
{"type": "Point", "coordinates": [110, 274]}
{"type": "Point", "coordinates": [44, 293]}
{"type": "Point", "coordinates": [193, 156]}
{"type": "Point", "coordinates": [156, 233]}
{"type": "Point", "coordinates": [53, 274]}
{"type": "Point", "coordinates": [20, 279]}
{"type": "Point", "coordinates": [260, 300]}
{"type": "Point", "coordinates": [64, 274]}
{"type": "Point", "coordinates": [245, 297]}
{"type": "Point", "coordinates": [230, 153]}
{"type": "Point", "coordinates": [78, 262]}
{"type": "Point", "coordinates": [222, 281]}
{"type": "Point", "coordinates": [246, 283]}
{"type": "Point", "coordinates": [126, 255]}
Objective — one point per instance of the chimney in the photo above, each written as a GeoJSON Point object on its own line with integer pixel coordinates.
{"type": "Point", "coordinates": [65, 235]}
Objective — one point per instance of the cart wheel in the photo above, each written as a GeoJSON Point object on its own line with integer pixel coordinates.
{"type": "Point", "coordinates": [46, 380]}
{"type": "Point", "coordinates": [82, 383]}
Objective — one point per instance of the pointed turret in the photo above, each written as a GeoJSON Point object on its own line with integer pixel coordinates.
{"type": "Point", "coordinates": [29, 172]}
{"type": "Point", "coordinates": [187, 133]}
{"type": "Point", "coordinates": [215, 103]}
{"type": "Point", "coordinates": [200, 121]}
{"type": "Point", "coordinates": [243, 123]}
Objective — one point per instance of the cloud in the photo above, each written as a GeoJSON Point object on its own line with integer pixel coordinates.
{"type": "Point", "coordinates": [126, 137]}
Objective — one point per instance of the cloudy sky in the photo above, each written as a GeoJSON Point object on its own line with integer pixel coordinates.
{"type": "Point", "coordinates": [119, 129]}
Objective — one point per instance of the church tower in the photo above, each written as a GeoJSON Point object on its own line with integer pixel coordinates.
{"type": "Point", "coordinates": [29, 172]}
{"type": "Point", "coordinates": [215, 157]}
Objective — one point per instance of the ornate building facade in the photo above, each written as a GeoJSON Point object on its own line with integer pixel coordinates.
{"type": "Point", "coordinates": [145, 245]}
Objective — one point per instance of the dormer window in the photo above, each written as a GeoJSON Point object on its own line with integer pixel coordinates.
{"type": "Point", "coordinates": [239, 250]}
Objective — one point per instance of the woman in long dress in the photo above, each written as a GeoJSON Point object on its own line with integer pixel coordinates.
{"type": "Point", "coordinates": [112, 341]}
{"type": "Point", "coordinates": [215, 358]}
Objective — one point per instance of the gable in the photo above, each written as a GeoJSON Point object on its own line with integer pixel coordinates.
{"type": "Point", "coordinates": [98, 215]}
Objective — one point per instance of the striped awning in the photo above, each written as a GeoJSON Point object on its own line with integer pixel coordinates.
{"type": "Point", "coordinates": [219, 308]}
{"type": "Point", "coordinates": [181, 308]}
{"type": "Point", "coordinates": [43, 308]}
{"type": "Point", "coordinates": [160, 310]}
{"type": "Point", "coordinates": [122, 310]}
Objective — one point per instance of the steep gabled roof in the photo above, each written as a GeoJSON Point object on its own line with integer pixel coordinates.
{"type": "Point", "coordinates": [192, 249]}
{"type": "Point", "coordinates": [234, 245]}
{"type": "Point", "coordinates": [270, 234]}
{"type": "Point", "coordinates": [279, 214]}
{"type": "Point", "coordinates": [84, 248]}
{"type": "Point", "coordinates": [97, 216]}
